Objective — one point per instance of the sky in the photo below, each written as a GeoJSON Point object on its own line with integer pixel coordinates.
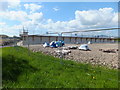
{"type": "Point", "coordinates": [41, 17]}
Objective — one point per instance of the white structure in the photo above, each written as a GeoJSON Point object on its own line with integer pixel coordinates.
{"type": "Point", "coordinates": [37, 39]}
{"type": "Point", "coordinates": [84, 47]}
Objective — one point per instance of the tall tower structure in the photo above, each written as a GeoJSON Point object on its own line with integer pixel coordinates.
{"type": "Point", "coordinates": [24, 36]}
{"type": "Point", "coordinates": [24, 33]}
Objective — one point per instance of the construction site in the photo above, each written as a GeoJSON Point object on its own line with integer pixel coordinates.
{"type": "Point", "coordinates": [59, 44]}
{"type": "Point", "coordinates": [93, 50]}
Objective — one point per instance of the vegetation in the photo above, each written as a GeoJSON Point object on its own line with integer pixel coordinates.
{"type": "Point", "coordinates": [22, 69]}
{"type": "Point", "coordinates": [118, 39]}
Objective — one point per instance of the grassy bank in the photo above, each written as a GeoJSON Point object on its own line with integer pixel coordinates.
{"type": "Point", "coordinates": [36, 70]}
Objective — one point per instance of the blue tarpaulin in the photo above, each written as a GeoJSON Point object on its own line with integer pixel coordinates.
{"type": "Point", "coordinates": [55, 44]}
{"type": "Point", "coordinates": [52, 44]}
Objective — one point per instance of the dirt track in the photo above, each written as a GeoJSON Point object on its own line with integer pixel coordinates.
{"type": "Point", "coordinates": [94, 56]}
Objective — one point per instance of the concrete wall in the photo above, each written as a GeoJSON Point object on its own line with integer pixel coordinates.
{"type": "Point", "coordinates": [68, 40]}
{"type": "Point", "coordinates": [93, 40]}
{"type": "Point", "coordinates": [78, 40]}
{"type": "Point", "coordinates": [36, 40]}
{"type": "Point", "coordinates": [44, 39]}
{"type": "Point", "coordinates": [84, 40]}
{"type": "Point", "coordinates": [52, 39]}
{"type": "Point", "coordinates": [72, 40]}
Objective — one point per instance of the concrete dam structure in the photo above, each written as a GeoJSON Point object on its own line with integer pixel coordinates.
{"type": "Point", "coordinates": [39, 39]}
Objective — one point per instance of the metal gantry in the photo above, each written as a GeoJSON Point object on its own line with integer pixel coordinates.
{"type": "Point", "coordinates": [88, 30]}
{"type": "Point", "coordinates": [25, 34]}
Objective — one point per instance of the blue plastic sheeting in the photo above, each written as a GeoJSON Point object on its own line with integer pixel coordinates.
{"type": "Point", "coordinates": [55, 44]}
{"type": "Point", "coordinates": [59, 43]}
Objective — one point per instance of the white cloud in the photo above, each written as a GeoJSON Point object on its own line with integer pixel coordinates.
{"type": "Point", "coordinates": [19, 15]}
{"type": "Point", "coordinates": [36, 17]}
{"type": "Point", "coordinates": [13, 3]}
{"type": "Point", "coordinates": [101, 18]}
{"type": "Point", "coordinates": [2, 23]}
{"type": "Point", "coordinates": [2, 26]}
{"type": "Point", "coordinates": [55, 9]}
{"type": "Point", "coordinates": [11, 31]}
{"type": "Point", "coordinates": [14, 15]}
{"type": "Point", "coordinates": [115, 18]}
{"type": "Point", "coordinates": [32, 7]}
{"type": "Point", "coordinates": [49, 21]}
{"type": "Point", "coordinates": [5, 4]}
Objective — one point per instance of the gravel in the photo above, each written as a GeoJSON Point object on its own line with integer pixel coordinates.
{"type": "Point", "coordinates": [95, 56]}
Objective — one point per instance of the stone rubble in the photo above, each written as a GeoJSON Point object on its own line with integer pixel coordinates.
{"type": "Point", "coordinates": [95, 56]}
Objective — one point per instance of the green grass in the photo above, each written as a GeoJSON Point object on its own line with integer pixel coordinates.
{"type": "Point", "coordinates": [37, 70]}
{"type": "Point", "coordinates": [118, 39]}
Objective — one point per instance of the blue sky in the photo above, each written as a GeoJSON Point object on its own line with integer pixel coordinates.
{"type": "Point", "coordinates": [41, 17]}
{"type": "Point", "coordinates": [67, 10]}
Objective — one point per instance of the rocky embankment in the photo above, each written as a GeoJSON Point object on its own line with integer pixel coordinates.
{"type": "Point", "coordinates": [100, 54]}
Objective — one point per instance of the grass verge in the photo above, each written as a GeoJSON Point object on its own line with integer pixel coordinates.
{"type": "Point", "coordinates": [36, 70]}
